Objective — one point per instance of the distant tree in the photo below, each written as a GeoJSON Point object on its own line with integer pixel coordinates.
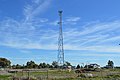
{"type": "Point", "coordinates": [55, 64]}
{"type": "Point", "coordinates": [40, 65]}
{"type": "Point", "coordinates": [31, 64]}
{"type": "Point", "coordinates": [81, 67]}
{"type": "Point", "coordinates": [67, 64]}
{"type": "Point", "coordinates": [86, 66]}
{"type": "Point", "coordinates": [78, 66]}
{"type": "Point", "coordinates": [43, 65]}
{"type": "Point", "coordinates": [35, 66]}
{"type": "Point", "coordinates": [4, 63]}
{"type": "Point", "coordinates": [18, 66]}
{"type": "Point", "coordinates": [48, 65]}
{"type": "Point", "coordinates": [110, 64]}
{"type": "Point", "coordinates": [23, 66]}
{"type": "Point", "coordinates": [13, 66]}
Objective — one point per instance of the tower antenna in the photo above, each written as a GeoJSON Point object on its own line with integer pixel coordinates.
{"type": "Point", "coordinates": [60, 43]}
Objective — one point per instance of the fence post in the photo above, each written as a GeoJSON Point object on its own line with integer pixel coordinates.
{"type": "Point", "coordinates": [47, 74]}
{"type": "Point", "coordinates": [28, 75]}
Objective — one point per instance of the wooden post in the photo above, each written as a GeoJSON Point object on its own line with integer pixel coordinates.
{"type": "Point", "coordinates": [47, 74]}
{"type": "Point", "coordinates": [28, 75]}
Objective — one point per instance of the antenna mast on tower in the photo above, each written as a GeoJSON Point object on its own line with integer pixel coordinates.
{"type": "Point", "coordinates": [60, 43]}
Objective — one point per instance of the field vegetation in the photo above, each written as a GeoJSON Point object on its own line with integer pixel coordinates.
{"type": "Point", "coordinates": [104, 74]}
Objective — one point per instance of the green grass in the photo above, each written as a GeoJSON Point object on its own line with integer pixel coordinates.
{"type": "Point", "coordinates": [5, 77]}
{"type": "Point", "coordinates": [105, 74]}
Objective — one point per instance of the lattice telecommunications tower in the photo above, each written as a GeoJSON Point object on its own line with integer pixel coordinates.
{"type": "Point", "coordinates": [60, 42]}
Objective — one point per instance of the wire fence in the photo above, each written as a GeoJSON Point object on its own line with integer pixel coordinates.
{"type": "Point", "coordinates": [56, 74]}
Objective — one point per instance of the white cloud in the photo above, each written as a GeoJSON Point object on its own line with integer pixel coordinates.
{"type": "Point", "coordinates": [36, 8]}
{"type": "Point", "coordinates": [43, 20]}
{"type": "Point", "coordinates": [54, 23]}
{"type": "Point", "coordinates": [100, 37]}
{"type": "Point", "coordinates": [91, 37]}
{"type": "Point", "coordinates": [27, 32]}
{"type": "Point", "coordinates": [72, 19]}
{"type": "Point", "coordinates": [30, 34]}
{"type": "Point", "coordinates": [67, 21]}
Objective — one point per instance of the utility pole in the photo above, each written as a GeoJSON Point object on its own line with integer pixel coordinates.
{"type": "Point", "coordinates": [60, 43]}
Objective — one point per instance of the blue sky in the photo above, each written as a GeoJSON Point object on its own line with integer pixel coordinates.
{"type": "Point", "coordinates": [29, 30]}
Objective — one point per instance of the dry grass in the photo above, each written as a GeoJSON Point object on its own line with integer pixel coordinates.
{"type": "Point", "coordinates": [106, 74]}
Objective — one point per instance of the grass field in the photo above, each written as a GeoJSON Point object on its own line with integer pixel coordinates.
{"type": "Point", "coordinates": [106, 74]}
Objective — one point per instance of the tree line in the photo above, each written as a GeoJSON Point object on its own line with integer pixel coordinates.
{"type": "Point", "coordinates": [5, 63]}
